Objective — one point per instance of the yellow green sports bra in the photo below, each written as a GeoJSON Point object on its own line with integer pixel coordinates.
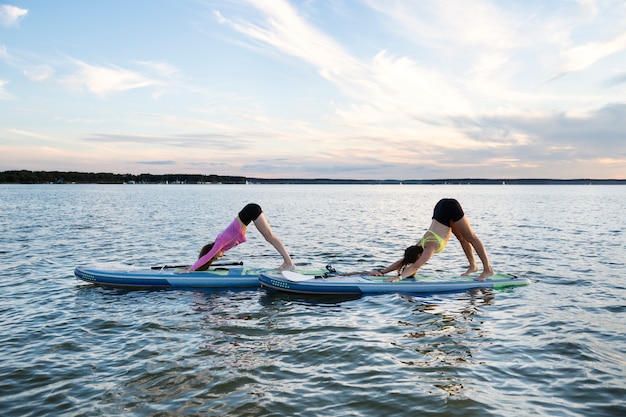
{"type": "Point", "coordinates": [433, 237]}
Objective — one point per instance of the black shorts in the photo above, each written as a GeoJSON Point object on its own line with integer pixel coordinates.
{"type": "Point", "coordinates": [448, 210]}
{"type": "Point", "coordinates": [249, 213]}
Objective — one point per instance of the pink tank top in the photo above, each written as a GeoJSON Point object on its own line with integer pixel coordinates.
{"type": "Point", "coordinates": [232, 236]}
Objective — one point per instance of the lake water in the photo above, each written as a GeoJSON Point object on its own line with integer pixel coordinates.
{"type": "Point", "coordinates": [554, 348]}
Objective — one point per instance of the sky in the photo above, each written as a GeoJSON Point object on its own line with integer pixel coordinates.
{"type": "Point", "coordinates": [344, 89]}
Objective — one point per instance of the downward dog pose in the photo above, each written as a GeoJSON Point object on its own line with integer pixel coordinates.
{"type": "Point", "coordinates": [448, 217]}
{"type": "Point", "coordinates": [235, 234]}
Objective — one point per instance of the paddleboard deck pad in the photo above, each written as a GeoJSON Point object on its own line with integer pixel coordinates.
{"type": "Point", "coordinates": [178, 277]}
{"type": "Point", "coordinates": [365, 284]}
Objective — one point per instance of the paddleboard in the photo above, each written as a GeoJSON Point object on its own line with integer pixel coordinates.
{"type": "Point", "coordinates": [366, 284]}
{"type": "Point", "coordinates": [178, 277]}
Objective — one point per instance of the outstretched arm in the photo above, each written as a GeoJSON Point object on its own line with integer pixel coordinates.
{"type": "Point", "coordinates": [393, 267]}
{"type": "Point", "coordinates": [203, 263]}
{"type": "Point", "coordinates": [411, 269]}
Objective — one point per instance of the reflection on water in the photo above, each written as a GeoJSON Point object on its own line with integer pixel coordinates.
{"type": "Point", "coordinates": [442, 334]}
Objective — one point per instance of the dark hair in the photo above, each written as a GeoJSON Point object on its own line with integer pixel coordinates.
{"type": "Point", "coordinates": [411, 254]}
{"type": "Point", "coordinates": [205, 249]}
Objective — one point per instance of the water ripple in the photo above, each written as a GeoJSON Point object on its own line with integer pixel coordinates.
{"type": "Point", "coordinates": [555, 348]}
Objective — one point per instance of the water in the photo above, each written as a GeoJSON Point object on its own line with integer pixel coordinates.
{"type": "Point", "coordinates": [555, 348]}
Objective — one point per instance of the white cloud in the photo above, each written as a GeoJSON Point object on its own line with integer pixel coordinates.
{"type": "Point", "coordinates": [580, 57]}
{"type": "Point", "coordinates": [11, 15]}
{"type": "Point", "coordinates": [384, 89]}
{"type": "Point", "coordinates": [286, 31]}
{"type": "Point", "coordinates": [40, 73]}
{"type": "Point", "coordinates": [29, 134]}
{"type": "Point", "coordinates": [105, 80]}
{"type": "Point", "coordinates": [399, 88]}
{"type": "Point", "coordinates": [160, 68]}
{"type": "Point", "coordinates": [454, 22]}
{"type": "Point", "coordinates": [4, 95]}
{"type": "Point", "coordinates": [590, 6]}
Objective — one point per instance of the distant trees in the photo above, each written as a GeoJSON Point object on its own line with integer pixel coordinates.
{"type": "Point", "coordinates": [69, 177]}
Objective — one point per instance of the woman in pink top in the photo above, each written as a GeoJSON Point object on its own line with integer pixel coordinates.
{"type": "Point", "coordinates": [235, 234]}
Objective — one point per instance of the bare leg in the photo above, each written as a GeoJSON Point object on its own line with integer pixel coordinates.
{"type": "Point", "coordinates": [263, 226]}
{"type": "Point", "coordinates": [468, 249]}
{"type": "Point", "coordinates": [463, 231]}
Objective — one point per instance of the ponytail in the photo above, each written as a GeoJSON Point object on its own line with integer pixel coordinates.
{"type": "Point", "coordinates": [205, 249]}
{"type": "Point", "coordinates": [410, 255]}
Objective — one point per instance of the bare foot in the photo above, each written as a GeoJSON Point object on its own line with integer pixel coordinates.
{"type": "Point", "coordinates": [470, 270]}
{"type": "Point", "coordinates": [286, 267]}
{"type": "Point", "coordinates": [393, 279]}
{"type": "Point", "coordinates": [486, 274]}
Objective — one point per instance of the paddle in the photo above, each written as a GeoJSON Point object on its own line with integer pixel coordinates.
{"type": "Point", "coordinates": [296, 277]}
{"type": "Point", "coordinates": [332, 272]}
{"type": "Point", "coordinates": [187, 266]}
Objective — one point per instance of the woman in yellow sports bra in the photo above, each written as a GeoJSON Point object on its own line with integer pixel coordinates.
{"type": "Point", "coordinates": [448, 218]}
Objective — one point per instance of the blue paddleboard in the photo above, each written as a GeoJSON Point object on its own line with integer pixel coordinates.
{"type": "Point", "coordinates": [178, 277]}
{"type": "Point", "coordinates": [365, 284]}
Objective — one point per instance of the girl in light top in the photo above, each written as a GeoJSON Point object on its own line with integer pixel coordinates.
{"type": "Point", "coordinates": [448, 217]}
{"type": "Point", "coordinates": [235, 234]}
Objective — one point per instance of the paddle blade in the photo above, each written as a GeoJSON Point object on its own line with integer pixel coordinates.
{"type": "Point", "coordinates": [296, 277]}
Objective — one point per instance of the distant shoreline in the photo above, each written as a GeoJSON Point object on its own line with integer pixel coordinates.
{"type": "Point", "coordinates": [450, 181]}
{"type": "Point", "coordinates": [71, 177]}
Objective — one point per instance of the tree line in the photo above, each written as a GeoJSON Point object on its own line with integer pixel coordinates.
{"type": "Point", "coordinates": [72, 177]}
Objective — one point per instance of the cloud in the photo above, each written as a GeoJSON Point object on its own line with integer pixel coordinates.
{"type": "Point", "coordinates": [156, 162]}
{"type": "Point", "coordinates": [288, 33]}
{"type": "Point", "coordinates": [105, 80]}
{"type": "Point", "coordinates": [99, 80]}
{"type": "Point", "coordinates": [200, 141]}
{"type": "Point", "coordinates": [36, 73]}
{"type": "Point", "coordinates": [11, 15]}
{"type": "Point", "coordinates": [39, 73]}
{"type": "Point", "coordinates": [593, 134]}
{"type": "Point", "coordinates": [578, 58]}
{"type": "Point", "coordinates": [29, 134]}
{"type": "Point", "coordinates": [384, 88]}
{"type": "Point", "coordinates": [589, 6]}
{"type": "Point", "coordinates": [4, 95]}
{"type": "Point", "coordinates": [616, 80]}
{"type": "Point", "coordinates": [160, 68]}
{"type": "Point", "coordinates": [454, 22]}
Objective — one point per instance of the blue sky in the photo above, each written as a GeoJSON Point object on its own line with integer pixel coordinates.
{"type": "Point", "coordinates": [385, 89]}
